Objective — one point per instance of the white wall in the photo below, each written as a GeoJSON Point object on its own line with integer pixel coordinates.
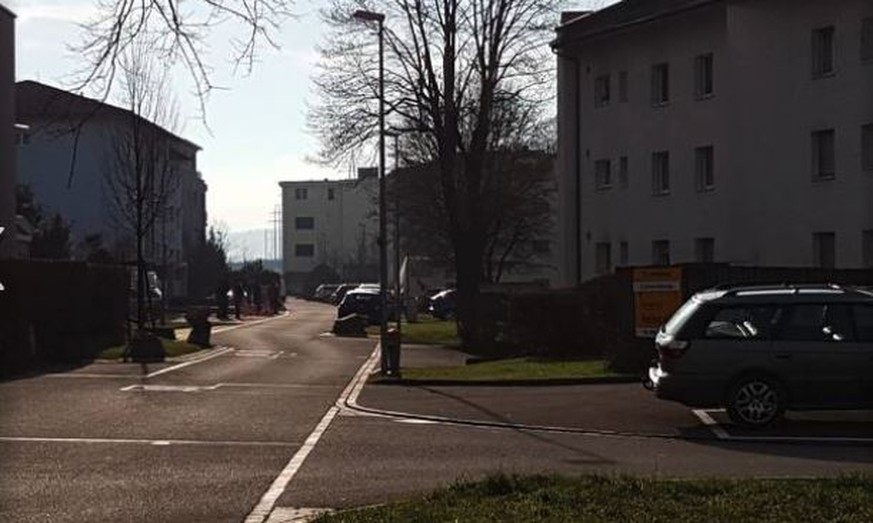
{"type": "Point", "coordinates": [765, 206]}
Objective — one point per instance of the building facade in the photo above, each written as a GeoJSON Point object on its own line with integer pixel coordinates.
{"type": "Point", "coordinates": [715, 131]}
{"type": "Point", "coordinates": [67, 156]}
{"type": "Point", "coordinates": [330, 223]}
{"type": "Point", "coordinates": [7, 133]}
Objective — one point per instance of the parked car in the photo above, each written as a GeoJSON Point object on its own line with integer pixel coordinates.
{"type": "Point", "coordinates": [337, 297]}
{"type": "Point", "coordinates": [324, 291]}
{"type": "Point", "coordinates": [761, 350]}
{"type": "Point", "coordinates": [361, 301]}
{"type": "Point", "coordinates": [442, 304]}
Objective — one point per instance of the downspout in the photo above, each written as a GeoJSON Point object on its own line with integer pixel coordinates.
{"type": "Point", "coordinates": [577, 159]}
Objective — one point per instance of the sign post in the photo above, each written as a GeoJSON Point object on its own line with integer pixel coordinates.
{"type": "Point", "coordinates": [657, 295]}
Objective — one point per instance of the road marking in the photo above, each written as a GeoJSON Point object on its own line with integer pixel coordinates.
{"type": "Point", "coordinates": [217, 353]}
{"type": "Point", "coordinates": [711, 424]}
{"type": "Point", "coordinates": [154, 442]}
{"type": "Point", "coordinates": [258, 353]}
{"type": "Point", "coordinates": [296, 515]}
{"type": "Point", "coordinates": [168, 388]}
{"type": "Point", "coordinates": [91, 375]}
{"type": "Point", "coordinates": [265, 506]}
{"type": "Point", "coordinates": [219, 330]}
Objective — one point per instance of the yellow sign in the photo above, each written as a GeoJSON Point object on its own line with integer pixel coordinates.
{"type": "Point", "coordinates": [657, 295]}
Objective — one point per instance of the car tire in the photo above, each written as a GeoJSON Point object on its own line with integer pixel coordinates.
{"type": "Point", "coordinates": [756, 401]}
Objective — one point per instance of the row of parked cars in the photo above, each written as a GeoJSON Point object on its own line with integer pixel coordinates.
{"type": "Point", "coordinates": [363, 299]}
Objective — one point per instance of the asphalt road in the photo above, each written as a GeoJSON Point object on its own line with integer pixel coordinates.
{"type": "Point", "coordinates": [252, 433]}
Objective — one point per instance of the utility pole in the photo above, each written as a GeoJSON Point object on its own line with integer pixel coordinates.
{"type": "Point", "coordinates": [276, 219]}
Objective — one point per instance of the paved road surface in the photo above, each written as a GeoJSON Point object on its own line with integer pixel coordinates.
{"type": "Point", "coordinates": [252, 432]}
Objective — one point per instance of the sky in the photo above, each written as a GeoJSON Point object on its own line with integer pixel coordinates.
{"type": "Point", "coordinates": [256, 134]}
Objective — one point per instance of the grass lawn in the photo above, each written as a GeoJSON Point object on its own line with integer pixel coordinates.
{"type": "Point", "coordinates": [427, 330]}
{"type": "Point", "coordinates": [172, 348]}
{"type": "Point", "coordinates": [613, 499]}
{"type": "Point", "coordinates": [513, 369]}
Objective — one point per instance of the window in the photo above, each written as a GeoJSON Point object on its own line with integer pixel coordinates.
{"type": "Point", "coordinates": [300, 193]}
{"type": "Point", "coordinates": [864, 322]}
{"type": "Point", "coordinates": [661, 172]}
{"type": "Point", "coordinates": [603, 258]}
{"type": "Point", "coordinates": [867, 248]}
{"type": "Point", "coordinates": [330, 193]}
{"type": "Point", "coordinates": [867, 148]}
{"type": "Point", "coordinates": [703, 76]}
{"type": "Point", "coordinates": [661, 252]}
{"type": "Point", "coordinates": [304, 250]}
{"type": "Point", "coordinates": [823, 250]}
{"type": "Point", "coordinates": [623, 253]}
{"type": "Point", "coordinates": [622, 86]}
{"type": "Point", "coordinates": [823, 51]}
{"type": "Point", "coordinates": [823, 157]}
{"type": "Point", "coordinates": [742, 323]}
{"type": "Point", "coordinates": [818, 322]}
{"type": "Point", "coordinates": [704, 168]}
{"type": "Point", "coordinates": [704, 250]}
{"type": "Point", "coordinates": [602, 174]}
{"type": "Point", "coordinates": [622, 172]}
{"type": "Point", "coordinates": [304, 223]}
{"type": "Point", "coordinates": [867, 39]}
{"type": "Point", "coordinates": [660, 84]}
{"type": "Point", "coordinates": [601, 91]}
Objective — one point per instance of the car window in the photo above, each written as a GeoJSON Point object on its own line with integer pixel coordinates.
{"type": "Point", "coordinates": [742, 323]}
{"type": "Point", "coordinates": [681, 316]}
{"type": "Point", "coordinates": [818, 322]}
{"type": "Point", "coordinates": [864, 322]}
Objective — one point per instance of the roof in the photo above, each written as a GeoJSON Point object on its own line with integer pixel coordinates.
{"type": "Point", "coordinates": [38, 100]}
{"type": "Point", "coordinates": [789, 292]}
{"type": "Point", "coordinates": [620, 15]}
{"type": "Point", "coordinates": [4, 9]}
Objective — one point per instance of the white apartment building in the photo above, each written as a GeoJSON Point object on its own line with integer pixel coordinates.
{"type": "Point", "coordinates": [332, 223]}
{"type": "Point", "coordinates": [7, 133]}
{"type": "Point", "coordinates": [47, 150]}
{"type": "Point", "coordinates": [715, 130]}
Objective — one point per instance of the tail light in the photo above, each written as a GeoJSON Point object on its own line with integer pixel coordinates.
{"type": "Point", "coordinates": [672, 349]}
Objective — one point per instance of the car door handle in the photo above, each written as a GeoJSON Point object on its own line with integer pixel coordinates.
{"type": "Point", "coordinates": [783, 356]}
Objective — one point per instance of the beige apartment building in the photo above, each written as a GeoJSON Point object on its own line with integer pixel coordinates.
{"type": "Point", "coordinates": [715, 130]}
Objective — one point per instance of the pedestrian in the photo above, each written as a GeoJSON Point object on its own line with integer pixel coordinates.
{"type": "Point", "coordinates": [238, 299]}
{"type": "Point", "coordinates": [257, 298]}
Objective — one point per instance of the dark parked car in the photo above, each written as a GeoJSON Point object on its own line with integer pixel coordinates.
{"type": "Point", "coordinates": [761, 350]}
{"type": "Point", "coordinates": [361, 301]}
{"type": "Point", "coordinates": [442, 304]}
{"type": "Point", "coordinates": [337, 297]}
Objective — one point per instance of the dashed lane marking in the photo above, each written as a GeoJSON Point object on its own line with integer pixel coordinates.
{"type": "Point", "coordinates": [217, 353]}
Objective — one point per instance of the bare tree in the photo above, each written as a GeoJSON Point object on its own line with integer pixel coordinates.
{"type": "Point", "coordinates": [139, 178]}
{"type": "Point", "coordinates": [175, 32]}
{"type": "Point", "coordinates": [450, 66]}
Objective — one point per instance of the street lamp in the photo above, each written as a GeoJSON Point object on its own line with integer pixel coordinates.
{"type": "Point", "coordinates": [370, 16]}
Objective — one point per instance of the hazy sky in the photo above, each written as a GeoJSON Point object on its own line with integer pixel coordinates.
{"type": "Point", "coordinates": [258, 125]}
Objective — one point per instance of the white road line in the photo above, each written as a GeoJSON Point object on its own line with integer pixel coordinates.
{"type": "Point", "coordinates": [268, 501]}
{"type": "Point", "coordinates": [711, 424]}
{"type": "Point", "coordinates": [219, 330]}
{"type": "Point", "coordinates": [217, 353]}
{"type": "Point", "coordinates": [158, 442]}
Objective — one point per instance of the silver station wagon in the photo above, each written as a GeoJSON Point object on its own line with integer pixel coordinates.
{"type": "Point", "coordinates": [760, 350]}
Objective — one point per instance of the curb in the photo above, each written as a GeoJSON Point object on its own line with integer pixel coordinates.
{"type": "Point", "coordinates": [557, 382]}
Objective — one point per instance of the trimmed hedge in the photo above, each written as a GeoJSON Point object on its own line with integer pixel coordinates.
{"type": "Point", "coordinates": [59, 311]}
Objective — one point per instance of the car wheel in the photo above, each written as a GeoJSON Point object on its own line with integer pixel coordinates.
{"type": "Point", "coordinates": [755, 401]}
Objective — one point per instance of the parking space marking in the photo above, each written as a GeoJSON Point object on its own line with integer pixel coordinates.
{"type": "Point", "coordinates": [718, 429]}
{"type": "Point", "coordinates": [714, 426]}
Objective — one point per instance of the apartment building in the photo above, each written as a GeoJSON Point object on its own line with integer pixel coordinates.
{"type": "Point", "coordinates": [715, 131]}
{"type": "Point", "coordinates": [65, 152]}
{"type": "Point", "coordinates": [331, 223]}
{"type": "Point", "coordinates": [7, 133]}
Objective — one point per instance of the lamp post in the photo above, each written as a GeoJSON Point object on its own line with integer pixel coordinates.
{"type": "Point", "coordinates": [397, 285]}
{"type": "Point", "coordinates": [370, 16]}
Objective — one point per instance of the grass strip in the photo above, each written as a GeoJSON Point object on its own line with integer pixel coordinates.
{"type": "Point", "coordinates": [171, 347]}
{"type": "Point", "coordinates": [426, 331]}
{"type": "Point", "coordinates": [598, 499]}
{"type": "Point", "coordinates": [513, 369]}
